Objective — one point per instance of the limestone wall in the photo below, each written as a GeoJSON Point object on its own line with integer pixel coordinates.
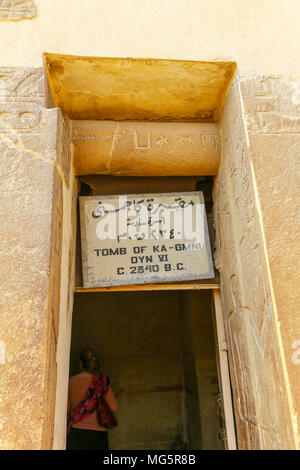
{"type": "Point", "coordinates": [262, 37]}
{"type": "Point", "coordinates": [265, 414]}
{"type": "Point", "coordinates": [145, 148]}
{"type": "Point", "coordinates": [67, 285]}
{"type": "Point", "coordinates": [256, 195]}
{"type": "Point", "coordinates": [35, 177]}
{"type": "Point", "coordinates": [272, 120]}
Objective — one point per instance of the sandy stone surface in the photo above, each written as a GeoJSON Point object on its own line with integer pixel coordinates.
{"type": "Point", "coordinates": [137, 89]}
{"type": "Point", "coordinates": [16, 10]}
{"type": "Point", "coordinates": [261, 388]}
{"type": "Point", "coordinates": [145, 149]}
{"type": "Point", "coordinates": [256, 210]}
{"type": "Point", "coordinates": [272, 116]}
{"type": "Point", "coordinates": [30, 259]}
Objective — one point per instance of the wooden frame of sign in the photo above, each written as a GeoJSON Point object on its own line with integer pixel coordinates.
{"type": "Point", "coordinates": [151, 250]}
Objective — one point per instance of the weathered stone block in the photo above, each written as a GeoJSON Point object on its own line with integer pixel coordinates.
{"type": "Point", "coordinates": [31, 222]}
{"type": "Point", "coordinates": [263, 415]}
{"type": "Point", "coordinates": [16, 10]}
{"type": "Point", "coordinates": [274, 143]}
{"type": "Point", "coordinates": [145, 149]}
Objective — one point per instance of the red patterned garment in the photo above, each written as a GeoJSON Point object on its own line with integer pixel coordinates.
{"type": "Point", "coordinates": [98, 388]}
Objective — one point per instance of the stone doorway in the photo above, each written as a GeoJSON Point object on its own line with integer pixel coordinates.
{"type": "Point", "coordinates": [244, 233]}
{"type": "Point", "coordinates": [38, 144]}
{"type": "Point", "coordinates": [159, 351]}
{"type": "Point", "coordinates": [160, 345]}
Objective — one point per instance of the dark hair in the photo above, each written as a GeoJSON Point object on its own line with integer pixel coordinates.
{"type": "Point", "coordinates": [89, 361]}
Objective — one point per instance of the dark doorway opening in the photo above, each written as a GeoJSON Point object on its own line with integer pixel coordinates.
{"type": "Point", "coordinates": [158, 349]}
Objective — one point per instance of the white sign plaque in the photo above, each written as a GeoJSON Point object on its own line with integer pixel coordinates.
{"type": "Point", "coordinates": [144, 238]}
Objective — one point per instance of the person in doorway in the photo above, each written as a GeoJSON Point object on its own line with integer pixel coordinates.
{"type": "Point", "coordinates": [83, 430]}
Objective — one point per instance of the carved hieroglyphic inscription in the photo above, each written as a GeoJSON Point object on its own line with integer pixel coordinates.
{"type": "Point", "coordinates": [22, 83]}
{"type": "Point", "coordinates": [32, 174]}
{"type": "Point", "coordinates": [21, 96]}
{"type": "Point", "coordinates": [17, 9]}
{"type": "Point", "coordinates": [272, 109]}
{"type": "Point", "coordinates": [22, 116]}
{"type": "Point", "coordinates": [19, 116]}
{"type": "Point", "coordinates": [144, 149]}
{"type": "Point", "coordinates": [272, 105]}
{"type": "Point", "coordinates": [263, 417]}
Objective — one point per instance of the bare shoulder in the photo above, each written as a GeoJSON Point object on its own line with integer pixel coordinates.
{"type": "Point", "coordinates": [80, 375]}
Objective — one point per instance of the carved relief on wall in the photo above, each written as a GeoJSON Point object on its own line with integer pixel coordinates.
{"type": "Point", "coordinates": [22, 82]}
{"type": "Point", "coordinates": [17, 9]}
{"type": "Point", "coordinates": [33, 169]}
{"type": "Point", "coordinates": [25, 123]}
{"type": "Point", "coordinates": [21, 98]}
{"type": "Point", "coordinates": [271, 105]}
{"type": "Point", "coordinates": [248, 308]}
{"type": "Point", "coordinates": [164, 148]}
